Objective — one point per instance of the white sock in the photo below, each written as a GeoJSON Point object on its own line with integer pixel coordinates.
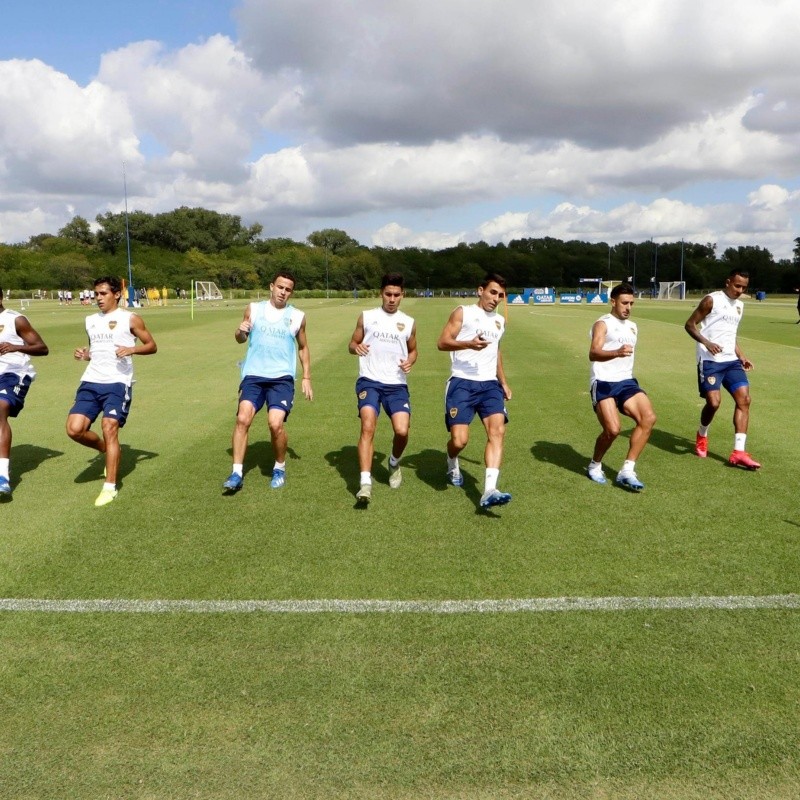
{"type": "Point", "coordinates": [393, 462]}
{"type": "Point", "coordinates": [627, 467]}
{"type": "Point", "coordinates": [452, 464]}
{"type": "Point", "coordinates": [238, 469]}
{"type": "Point", "coordinates": [366, 477]}
{"type": "Point", "coordinates": [703, 430]}
{"type": "Point", "coordinates": [282, 466]}
{"type": "Point", "coordinates": [595, 466]}
{"type": "Point", "coordinates": [4, 467]}
{"type": "Point", "coordinates": [492, 475]}
{"type": "Point", "coordinates": [109, 487]}
{"type": "Point", "coordinates": [738, 441]}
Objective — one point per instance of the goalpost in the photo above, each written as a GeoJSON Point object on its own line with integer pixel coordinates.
{"type": "Point", "coordinates": [207, 290]}
{"type": "Point", "coordinates": [672, 290]}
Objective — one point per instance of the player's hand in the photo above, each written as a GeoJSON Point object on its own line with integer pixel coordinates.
{"type": "Point", "coordinates": [81, 354]}
{"type": "Point", "coordinates": [747, 364]}
{"type": "Point", "coordinates": [124, 351]}
{"type": "Point", "coordinates": [406, 366]}
{"type": "Point", "coordinates": [7, 347]}
{"type": "Point", "coordinates": [506, 391]}
{"type": "Point", "coordinates": [245, 326]}
{"type": "Point", "coordinates": [713, 348]}
{"type": "Point", "coordinates": [361, 349]}
{"type": "Point", "coordinates": [308, 392]}
{"type": "Point", "coordinates": [478, 343]}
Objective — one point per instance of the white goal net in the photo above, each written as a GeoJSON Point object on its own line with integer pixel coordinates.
{"type": "Point", "coordinates": [207, 290]}
{"type": "Point", "coordinates": [672, 290]}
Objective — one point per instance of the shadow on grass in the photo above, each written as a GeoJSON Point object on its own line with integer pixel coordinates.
{"type": "Point", "coordinates": [129, 458]}
{"type": "Point", "coordinates": [561, 455]}
{"type": "Point", "coordinates": [27, 458]}
{"type": "Point", "coordinates": [261, 456]}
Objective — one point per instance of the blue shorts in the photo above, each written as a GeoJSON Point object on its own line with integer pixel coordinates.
{"type": "Point", "coordinates": [274, 392]}
{"type": "Point", "coordinates": [13, 389]}
{"type": "Point", "coordinates": [113, 399]}
{"type": "Point", "coordinates": [464, 398]}
{"type": "Point", "coordinates": [392, 397]}
{"type": "Point", "coordinates": [713, 376]}
{"type": "Point", "coordinates": [619, 391]}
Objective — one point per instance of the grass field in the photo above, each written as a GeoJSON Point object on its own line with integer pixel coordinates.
{"type": "Point", "coordinates": [651, 703]}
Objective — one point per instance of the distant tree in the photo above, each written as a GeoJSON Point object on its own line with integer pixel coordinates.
{"type": "Point", "coordinates": [78, 230]}
{"type": "Point", "coordinates": [333, 240]}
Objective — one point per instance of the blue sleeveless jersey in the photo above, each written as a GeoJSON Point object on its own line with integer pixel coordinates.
{"type": "Point", "coordinates": [272, 346]}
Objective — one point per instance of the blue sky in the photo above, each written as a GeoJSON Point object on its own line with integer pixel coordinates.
{"type": "Point", "coordinates": [410, 123]}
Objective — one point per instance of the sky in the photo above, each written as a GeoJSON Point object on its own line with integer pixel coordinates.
{"type": "Point", "coordinates": [409, 122]}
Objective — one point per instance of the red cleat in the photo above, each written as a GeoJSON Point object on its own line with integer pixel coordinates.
{"type": "Point", "coordinates": [701, 446]}
{"type": "Point", "coordinates": [741, 459]}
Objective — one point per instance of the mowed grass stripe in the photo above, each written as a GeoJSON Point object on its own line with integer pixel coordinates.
{"type": "Point", "coordinates": [537, 605]}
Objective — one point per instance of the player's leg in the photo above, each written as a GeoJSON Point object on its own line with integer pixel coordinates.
{"type": "Point", "coordinates": [495, 426]}
{"type": "Point", "coordinates": [276, 419]}
{"type": "Point", "coordinates": [640, 410]}
{"type": "Point", "coordinates": [366, 440]}
{"type": "Point", "coordinates": [110, 428]}
{"type": "Point", "coordinates": [241, 430]}
{"type": "Point", "coordinates": [608, 417]}
{"type": "Point", "coordinates": [741, 420]}
{"type": "Point", "coordinates": [5, 448]}
{"type": "Point", "coordinates": [401, 423]}
{"type": "Point", "coordinates": [79, 430]}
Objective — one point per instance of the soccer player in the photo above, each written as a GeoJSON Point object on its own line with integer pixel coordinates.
{"type": "Point", "coordinates": [276, 335]}
{"type": "Point", "coordinates": [107, 383]}
{"type": "Point", "coordinates": [614, 389]}
{"type": "Point", "coordinates": [18, 342]}
{"type": "Point", "coordinates": [385, 340]}
{"type": "Point", "coordinates": [721, 363]}
{"type": "Point", "coordinates": [477, 384]}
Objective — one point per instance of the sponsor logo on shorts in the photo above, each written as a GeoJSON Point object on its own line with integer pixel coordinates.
{"type": "Point", "coordinates": [453, 413]}
{"type": "Point", "coordinates": [712, 379]}
{"type": "Point", "coordinates": [362, 395]}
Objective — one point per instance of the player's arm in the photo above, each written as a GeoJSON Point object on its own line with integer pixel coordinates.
{"type": "Point", "coordinates": [245, 326]}
{"type": "Point", "coordinates": [596, 352]}
{"type": "Point", "coordinates": [304, 354]}
{"type": "Point", "coordinates": [747, 364]}
{"type": "Point", "coordinates": [411, 344]}
{"type": "Point", "coordinates": [34, 345]}
{"type": "Point", "coordinates": [357, 346]}
{"type": "Point", "coordinates": [448, 342]}
{"type": "Point", "coordinates": [698, 315]}
{"type": "Point", "coordinates": [147, 344]}
{"type": "Point", "coordinates": [501, 376]}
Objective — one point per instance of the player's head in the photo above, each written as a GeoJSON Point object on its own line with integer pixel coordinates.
{"type": "Point", "coordinates": [108, 291]}
{"type": "Point", "coordinates": [736, 283]}
{"type": "Point", "coordinates": [622, 300]}
{"type": "Point", "coordinates": [281, 288]}
{"type": "Point", "coordinates": [491, 291]}
{"type": "Point", "coordinates": [392, 288]}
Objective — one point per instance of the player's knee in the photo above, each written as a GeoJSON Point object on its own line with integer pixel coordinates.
{"type": "Point", "coordinates": [611, 431]}
{"type": "Point", "coordinates": [743, 401]}
{"type": "Point", "coordinates": [648, 420]}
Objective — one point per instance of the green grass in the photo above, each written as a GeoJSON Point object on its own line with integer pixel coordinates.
{"type": "Point", "coordinates": [678, 704]}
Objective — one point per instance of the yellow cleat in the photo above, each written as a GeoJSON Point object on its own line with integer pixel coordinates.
{"type": "Point", "coordinates": [105, 497]}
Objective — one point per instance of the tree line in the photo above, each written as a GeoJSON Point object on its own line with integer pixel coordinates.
{"type": "Point", "coordinates": [174, 248]}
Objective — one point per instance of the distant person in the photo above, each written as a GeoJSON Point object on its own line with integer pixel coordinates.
{"type": "Point", "coordinates": [477, 384]}
{"type": "Point", "coordinates": [385, 341]}
{"type": "Point", "coordinates": [107, 383]}
{"type": "Point", "coordinates": [721, 364]}
{"type": "Point", "coordinates": [18, 342]}
{"type": "Point", "coordinates": [614, 389]}
{"type": "Point", "coordinates": [798, 306]}
{"type": "Point", "coordinates": [276, 335]}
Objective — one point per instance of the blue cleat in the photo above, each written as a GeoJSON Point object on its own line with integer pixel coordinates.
{"type": "Point", "coordinates": [495, 498]}
{"type": "Point", "coordinates": [234, 482]}
{"type": "Point", "coordinates": [628, 480]}
{"type": "Point", "coordinates": [596, 475]}
{"type": "Point", "coordinates": [278, 478]}
{"type": "Point", "coordinates": [455, 478]}
{"type": "Point", "coordinates": [5, 486]}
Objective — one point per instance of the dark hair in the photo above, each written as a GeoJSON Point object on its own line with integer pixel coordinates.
{"type": "Point", "coordinates": [493, 277]}
{"type": "Point", "coordinates": [742, 273]}
{"type": "Point", "coordinates": [114, 283]}
{"type": "Point", "coordinates": [284, 273]}
{"type": "Point", "coordinates": [621, 288]}
{"type": "Point", "coordinates": [392, 279]}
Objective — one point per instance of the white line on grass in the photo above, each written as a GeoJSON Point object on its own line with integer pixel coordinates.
{"type": "Point", "coordinates": [540, 604]}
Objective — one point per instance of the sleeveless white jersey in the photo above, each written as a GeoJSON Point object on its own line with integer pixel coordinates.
{"type": "Point", "coordinates": [618, 333]}
{"type": "Point", "coordinates": [106, 333]}
{"type": "Point", "coordinates": [478, 365]}
{"type": "Point", "coordinates": [387, 336]}
{"type": "Point", "coordinates": [18, 363]}
{"type": "Point", "coordinates": [720, 327]}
